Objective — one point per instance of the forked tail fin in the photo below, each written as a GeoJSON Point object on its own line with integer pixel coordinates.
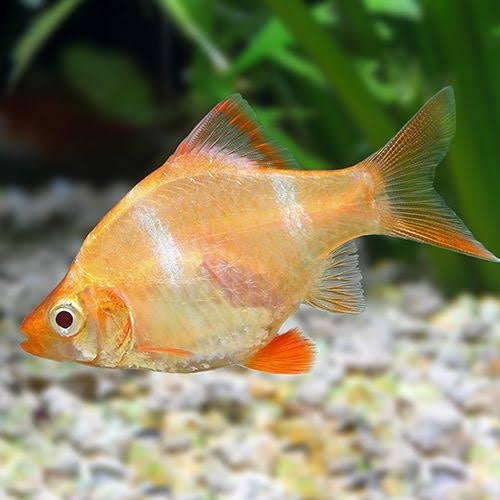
{"type": "Point", "coordinates": [403, 174]}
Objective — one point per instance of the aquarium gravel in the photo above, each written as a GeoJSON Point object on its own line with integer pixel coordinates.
{"type": "Point", "coordinates": [403, 401]}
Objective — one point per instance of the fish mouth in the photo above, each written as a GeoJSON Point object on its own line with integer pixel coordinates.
{"type": "Point", "coordinates": [27, 345]}
{"type": "Point", "coordinates": [34, 344]}
{"type": "Point", "coordinates": [37, 347]}
{"type": "Point", "coordinates": [31, 345]}
{"type": "Point", "coordinates": [24, 326]}
{"type": "Point", "coordinates": [32, 324]}
{"type": "Point", "coordinates": [31, 348]}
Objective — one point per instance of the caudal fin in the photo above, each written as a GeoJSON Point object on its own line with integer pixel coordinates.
{"type": "Point", "coordinates": [403, 172]}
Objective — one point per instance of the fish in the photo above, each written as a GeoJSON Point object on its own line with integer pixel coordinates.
{"type": "Point", "coordinates": [200, 264]}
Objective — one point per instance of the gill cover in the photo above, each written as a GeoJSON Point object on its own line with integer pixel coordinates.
{"type": "Point", "coordinates": [110, 324]}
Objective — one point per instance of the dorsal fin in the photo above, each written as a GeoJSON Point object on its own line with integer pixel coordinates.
{"type": "Point", "coordinates": [232, 130]}
{"type": "Point", "coordinates": [338, 288]}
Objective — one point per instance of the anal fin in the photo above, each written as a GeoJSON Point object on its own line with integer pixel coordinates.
{"type": "Point", "coordinates": [338, 288]}
{"type": "Point", "coordinates": [287, 353]}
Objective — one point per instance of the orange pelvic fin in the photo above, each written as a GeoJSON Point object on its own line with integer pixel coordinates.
{"type": "Point", "coordinates": [174, 351]}
{"type": "Point", "coordinates": [231, 130]}
{"type": "Point", "coordinates": [403, 173]}
{"type": "Point", "coordinates": [287, 353]}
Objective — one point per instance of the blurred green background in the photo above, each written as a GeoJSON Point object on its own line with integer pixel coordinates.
{"type": "Point", "coordinates": [102, 90]}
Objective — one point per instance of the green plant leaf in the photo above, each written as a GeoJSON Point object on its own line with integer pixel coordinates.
{"type": "Point", "coordinates": [272, 39]}
{"type": "Point", "coordinates": [400, 84]}
{"type": "Point", "coordinates": [181, 12]}
{"type": "Point", "coordinates": [38, 32]}
{"type": "Point", "coordinates": [324, 14]}
{"type": "Point", "coordinates": [271, 43]}
{"type": "Point", "coordinates": [406, 9]}
{"type": "Point", "coordinates": [111, 83]}
{"type": "Point", "coordinates": [299, 66]}
{"type": "Point", "coordinates": [338, 71]}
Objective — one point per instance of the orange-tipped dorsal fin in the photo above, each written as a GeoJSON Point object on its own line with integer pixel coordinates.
{"type": "Point", "coordinates": [231, 131]}
{"type": "Point", "coordinates": [287, 353]}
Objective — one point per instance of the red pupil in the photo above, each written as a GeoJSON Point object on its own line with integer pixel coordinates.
{"type": "Point", "coordinates": [64, 319]}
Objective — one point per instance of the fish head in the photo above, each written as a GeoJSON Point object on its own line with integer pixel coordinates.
{"type": "Point", "coordinates": [88, 324]}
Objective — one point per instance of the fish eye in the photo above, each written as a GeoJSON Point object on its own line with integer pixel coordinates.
{"type": "Point", "coordinates": [66, 319]}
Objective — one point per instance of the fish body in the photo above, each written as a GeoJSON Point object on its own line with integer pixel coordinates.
{"type": "Point", "coordinates": [199, 264]}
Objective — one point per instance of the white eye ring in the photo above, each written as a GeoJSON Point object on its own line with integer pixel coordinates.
{"type": "Point", "coordinates": [66, 319]}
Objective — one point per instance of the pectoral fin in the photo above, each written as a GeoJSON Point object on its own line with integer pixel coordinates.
{"type": "Point", "coordinates": [287, 353]}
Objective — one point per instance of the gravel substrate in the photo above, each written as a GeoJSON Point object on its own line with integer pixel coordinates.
{"type": "Point", "coordinates": [403, 401]}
